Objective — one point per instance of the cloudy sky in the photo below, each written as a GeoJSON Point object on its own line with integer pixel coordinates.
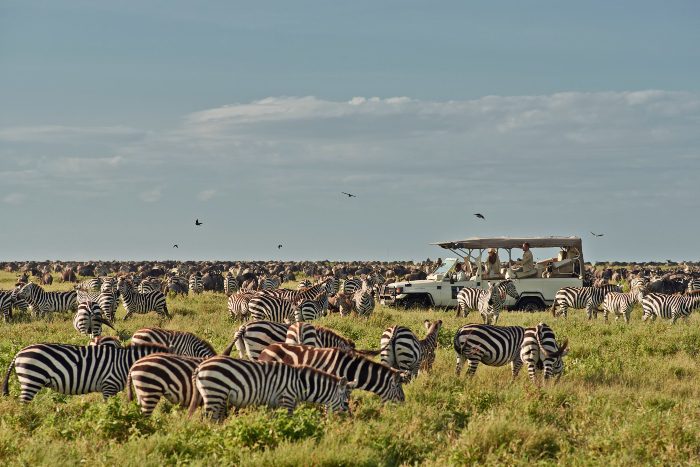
{"type": "Point", "coordinates": [122, 122]}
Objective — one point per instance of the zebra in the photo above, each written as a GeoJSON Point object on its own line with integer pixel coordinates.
{"type": "Point", "coordinates": [147, 285]}
{"type": "Point", "coordinates": [222, 380]}
{"type": "Point", "coordinates": [669, 306]}
{"type": "Point", "coordinates": [6, 302]}
{"type": "Point", "coordinates": [251, 338]}
{"type": "Point", "coordinates": [317, 336]}
{"type": "Point", "coordinates": [303, 284]}
{"type": "Point", "coordinates": [161, 375]}
{"type": "Point", "coordinates": [108, 300]}
{"type": "Point", "coordinates": [270, 307]}
{"type": "Point", "coordinates": [332, 285]}
{"type": "Point", "coordinates": [109, 284]}
{"type": "Point", "coordinates": [693, 284]}
{"type": "Point", "coordinates": [93, 284]}
{"type": "Point", "coordinates": [72, 369]}
{"type": "Point", "coordinates": [490, 345]}
{"type": "Point", "coordinates": [135, 302]}
{"type": "Point", "coordinates": [238, 305]}
{"type": "Point", "coordinates": [539, 349]}
{"type": "Point", "coordinates": [18, 302]}
{"type": "Point", "coordinates": [230, 284]}
{"type": "Point", "coordinates": [369, 375]}
{"type": "Point", "coordinates": [621, 303]}
{"type": "Point", "coordinates": [490, 304]}
{"type": "Point", "coordinates": [86, 296]}
{"type": "Point", "coordinates": [350, 286]}
{"type": "Point", "coordinates": [401, 349]}
{"type": "Point", "coordinates": [468, 297]}
{"type": "Point", "coordinates": [179, 342]}
{"type": "Point", "coordinates": [640, 283]}
{"type": "Point", "coordinates": [309, 310]}
{"type": "Point", "coordinates": [269, 283]}
{"type": "Point", "coordinates": [106, 340]}
{"type": "Point", "coordinates": [364, 302]}
{"type": "Point", "coordinates": [589, 298]}
{"type": "Point", "coordinates": [195, 284]}
{"type": "Point", "coordinates": [44, 302]}
{"type": "Point", "coordinates": [177, 285]}
{"type": "Point", "coordinates": [88, 319]}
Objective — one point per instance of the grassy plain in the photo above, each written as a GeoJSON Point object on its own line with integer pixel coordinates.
{"type": "Point", "coordinates": [629, 395]}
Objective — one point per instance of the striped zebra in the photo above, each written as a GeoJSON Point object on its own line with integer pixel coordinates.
{"type": "Point", "coordinates": [177, 285]}
{"type": "Point", "coordinates": [669, 306]}
{"type": "Point", "coordinates": [271, 308]}
{"type": "Point", "coordinates": [72, 369]}
{"type": "Point", "coordinates": [18, 302]}
{"type": "Point", "coordinates": [6, 301]}
{"type": "Point", "coordinates": [196, 285]}
{"type": "Point", "coordinates": [93, 284]}
{"type": "Point", "coordinates": [238, 305]}
{"type": "Point", "coordinates": [88, 319]}
{"type": "Point", "coordinates": [303, 284]}
{"type": "Point", "coordinates": [44, 302]}
{"type": "Point", "coordinates": [269, 283]}
{"type": "Point", "coordinates": [108, 300]}
{"type": "Point", "coordinates": [490, 304]}
{"type": "Point", "coordinates": [589, 298]}
{"type": "Point", "coordinates": [230, 284]}
{"type": "Point", "coordinates": [640, 283]}
{"type": "Point", "coordinates": [468, 297]}
{"type": "Point", "coordinates": [251, 338]}
{"type": "Point", "coordinates": [86, 296]}
{"type": "Point", "coordinates": [135, 302]}
{"type": "Point", "coordinates": [490, 345]}
{"type": "Point", "coordinates": [350, 286]}
{"type": "Point", "coordinates": [364, 302]}
{"type": "Point", "coordinates": [109, 284]}
{"type": "Point", "coordinates": [179, 342]}
{"type": "Point", "coordinates": [540, 350]}
{"type": "Point", "coordinates": [401, 349]}
{"type": "Point", "coordinates": [332, 284]}
{"type": "Point", "coordinates": [369, 375]}
{"type": "Point", "coordinates": [161, 375]}
{"type": "Point", "coordinates": [317, 336]}
{"type": "Point", "coordinates": [621, 303]}
{"type": "Point", "coordinates": [309, 310]}
{"type": "Point", "coordinates": [106, 340]}
{"type": "Point", "coordinates": [693, 285]}
{"type": "Point", "coordinates": [148, 285]}
{"type": "Point", "coordinates": [222, 380]}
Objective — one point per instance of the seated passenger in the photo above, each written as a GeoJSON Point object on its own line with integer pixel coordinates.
{"type": "Point", "coordinates": [526, 266]}
{"type": "Point", "coordinates": [459, 274]}
{"type": "Point", "coordinates": [493, 265]}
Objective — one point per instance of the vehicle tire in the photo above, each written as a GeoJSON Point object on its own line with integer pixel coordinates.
{"type": "Point", "coordinates": [531, 304]}
{"type": "Point", "coordinates": [420, 301]}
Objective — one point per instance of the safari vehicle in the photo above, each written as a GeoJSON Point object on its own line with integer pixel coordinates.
{"type": "Point", "coordinates": [536, 288]}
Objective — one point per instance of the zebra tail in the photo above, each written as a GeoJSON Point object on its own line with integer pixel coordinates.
{"type": "Point", "coordinates": [239, 335]}
{"type": "Point", "coordinates": [370, 352]}
{"type": "Point", "coordinates": [129, 388]}
{"type": "Point", "coordinates": [6, 381]}
{"type": "Point", "coordinates": [196, 399]}
{"type": "Point", "coordinates": [554, 308]}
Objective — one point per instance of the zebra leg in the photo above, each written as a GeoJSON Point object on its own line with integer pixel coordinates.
{"type": "Point", "coordinates": [458, 369]}
{"type": "Point", "coordinates": [494, 317]}
{"type": "Point", "coordinates": [473, 363]}
{"type": "Point", "coordinates": [127, 315]}
{"type": "Point", "coordinates": [515, 366]}
{"type": "Point", "coordinates": [589, 310]}
{"type": "Point", "coordinates": [532, 371]}
{"type": "Point", "coordinates": [288, 401]}
{"type": "Point", "coordinates": [148, 402]}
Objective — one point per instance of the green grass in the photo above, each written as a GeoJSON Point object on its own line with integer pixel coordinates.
{"type": "Point", "coordinates": [629, 395]}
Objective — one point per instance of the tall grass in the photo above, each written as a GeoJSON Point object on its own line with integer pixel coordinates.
{"type": "Point", "coordinates": [629, 395]}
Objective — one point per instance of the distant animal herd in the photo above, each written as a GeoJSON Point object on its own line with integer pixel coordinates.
{"type": "Point", "coordinates": [283, 358]}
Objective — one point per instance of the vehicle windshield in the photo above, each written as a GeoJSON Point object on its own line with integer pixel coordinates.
{"type": "Point", "coordinates": [446, 266]}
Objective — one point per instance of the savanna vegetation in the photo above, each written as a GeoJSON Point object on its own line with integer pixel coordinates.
{"type": "Point", "coordinates": [629, 395]}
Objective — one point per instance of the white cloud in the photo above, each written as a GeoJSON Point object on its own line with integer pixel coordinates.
{"type": "Point", "coordinates": [151, 196]}
{"type": "Point", "coordinates": [14, 198]}
{"type": "Point", "coordinates": [60, 133]}
{"type": "Point", "coordinates": [206, 195]}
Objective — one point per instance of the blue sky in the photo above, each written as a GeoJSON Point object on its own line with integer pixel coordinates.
{"type": "Point", "coordinates": [120, 122]}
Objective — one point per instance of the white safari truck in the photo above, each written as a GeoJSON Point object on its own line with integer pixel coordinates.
{"type": "Point", "coordinates": [536, 287]}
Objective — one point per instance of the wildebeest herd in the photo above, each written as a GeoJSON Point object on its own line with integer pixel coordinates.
{"type": "Point", "coordinates": [284, 359]}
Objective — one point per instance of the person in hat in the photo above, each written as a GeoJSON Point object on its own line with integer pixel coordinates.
{"type": "Point", "coordinates": [493, 264]}
{"type": "Point", "coordinates": [526, 266]}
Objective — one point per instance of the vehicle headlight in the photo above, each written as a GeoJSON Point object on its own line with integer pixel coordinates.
{"type": "Point", "coordinates": [399, 290]}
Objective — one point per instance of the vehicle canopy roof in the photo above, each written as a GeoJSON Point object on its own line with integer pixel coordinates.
{"type": "Point", "coordinates": [511, 242]}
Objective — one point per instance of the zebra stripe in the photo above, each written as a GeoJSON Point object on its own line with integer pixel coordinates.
{"type": "Point", "coordinates": [269, 283]}
{"type": "Point", "coordinates": [540, 350]}
{"type": "Point", "coordinates": [693, 284]}
{"type": "Point", "coordinates": [196, 285]}
{"type": "Point", "coordinates": [88, 319]}
{"type": "Point", "coordinates": [222, 380]}
{"type": "Point", "coordinates": [139, 303]}
{"type": "Point", "coordinates": [44, 302]}
{"type": "Point", "coordinates": [6, 301]}
{"type": "Point", "coordinates": [669, 306]}
{"type": "Point", "coordinates": [161, 375]}
{"type": "Point", "coordinates": [109, 301]}
{"type": "Point", "coordinates": [230, 284]}
{"type": "Point", "coordinates": [621, 304]}
{"type": "Point", "coordinates": [317, 336]}
{"type": "Point", "coordinates": [490, 345]}
{"type": "Point", "coordinates": [589, 298]}
{"type": "Point", "coordinates": [106, 340]}
{"type": "Point", "coordinates": [364, 302]}
{"type": "Point", "coordinates": [179, 342]}
{"type": "Point", "coordinates": [490, 304]}
{"type": "Point", "coordinates": [309, 310]}
{"type": "Point", "coordinates": [238, 305]}
{"type": "Point", "coordinates": [304, 284]}
{"type": "Point", "coordinates": [178, 285]}
{"type": "Point", "coordinates": [350, 286]}
{"type": "Point", "coordinates": [72, 369]}
{"type": "Point", "coordinates": [368, 374]}
{"type": "Point", "coordinates": [271, 308]}
{"type": "Point", "coordinates": [251, 338]}
{"type": "Point", "coordinates": [468, 297]}
{"type": "Point", "coordinates": [401, 348]}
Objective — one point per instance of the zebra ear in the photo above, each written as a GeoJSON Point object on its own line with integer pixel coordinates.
{"type": "Point", "coordinates": [426, 323]}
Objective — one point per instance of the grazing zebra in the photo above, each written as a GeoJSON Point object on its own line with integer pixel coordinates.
{"type": "Point", "coordinates": [238, 305]}
{"type": "Point", "coordinates": [18, 302]}
{"type": "Point", "coordinates": [109, 284]}
{"type": "Point", "coordinates": [161, 375]}
{"type": "Point", "coordinates": [540, 350]}
{"type": "Point", "coordinates": [230, 284]}
{"type": "Point", "coordinates": [271, 307]}
{"type": "Point", "coordinates": [368, 374]}
{"type": "Point", "coordinates": [135, 302]}
{"type": "Point", "coordinates": [44, 302]}
{"type": "Point", "coordinates": [309, 310]}
{"type": "Point", "coordinates": [669, 306]}
{"type": "Point", "coordinates": [304, 284]}
{"type": "Point", "coordinates": [693, 284]}
{"type": "Point", "coordinates": [179, 342]}
{"type": "Point", "coordinates": [72, 369]}
{"type": "Point", "coordinates": [490, 304]}
{"type": "Point", "coordinates": [621, 303]}
{"type": "Point", "coordinates": [86, 296]}
{"type": "Point", "coordinates": [269, 283]}
{"type": "Point", "coordinates": [222, 380]}
{"type": "Point", "coordinates": [468, 297]}
{"type": "Point", "coordinates": [490, 345]}
{"type": "Point", "coordinates": [88, 319]}
{"type": "Point", "coordinates": [350, 286]}
{"type": "Point", "coordinates": [251, 338]}
{"type": "Point", "coordinates": [317, 336]}
{"type": "Point", "coordinates": [401, 349]}
{"type": "Point", "coordinates": [589, 298]}
{"type": "Point", "coordinates": [93, 284]}
{"type": "Point", "coordinates": [332, 285]}
{"type": "Point", "coordinates": [109, 301]}
{"type": "Point", "coordinates": [6, 301]}
{"type": "Point", "coordinates": [364, 302]}
{"type": "Point", "coordinates": [196, 285]}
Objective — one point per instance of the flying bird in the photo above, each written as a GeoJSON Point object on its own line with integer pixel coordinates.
{"type": "Point", "coordinates": [279, 246]}
{"type": "Point", "coordinates": [349, 195]}
{"type": "Point", "coordinates": [175, 246]}
{"type": "Point", "coordinates": [480, 216]}
{"type": "Point", "coordinates": [597, 235]}
{"type": "Point", "coordinates": [196, 222]}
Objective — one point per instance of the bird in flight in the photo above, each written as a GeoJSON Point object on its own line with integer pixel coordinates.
{"type": "Point", "coordinates": [480, 216]}
{"type": "Point", "coordinates": [175, 246]}
{"type": "Point", "coordinates": [349, 195]}
{"type": "Point", "coordinates": [597, 235]}
{"type": "Point", "coordinates": [196, 222]}
{"type": "Point", "coordinates": [279, 246]}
